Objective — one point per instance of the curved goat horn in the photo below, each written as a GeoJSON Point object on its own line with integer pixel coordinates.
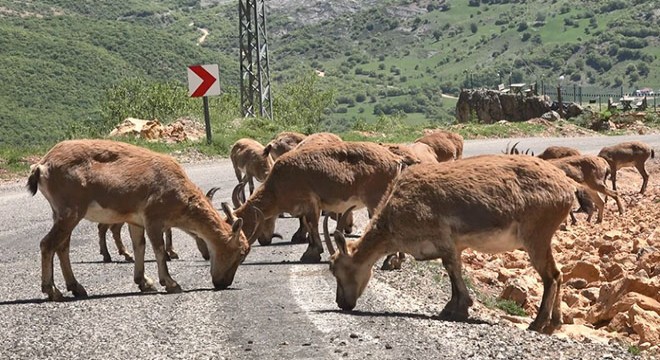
{"type": "Point", "coordinates": [211, 192]}
{"type": "Point", "coordinates": [236, 195]}
{"type": "Point", "coordinates": [326, 232]}
{"type": "Point", "coordinates": [514, 150]}
{"type": "Point", "coordinates": [259, 219]}
{"type": "Point", "coordinates": [506, 151]}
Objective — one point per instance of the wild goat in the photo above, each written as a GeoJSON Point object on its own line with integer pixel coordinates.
{"type": "Point", "coordinates": [491, 203]}
{"type": "Point", "coordinates": [556, 152]}
{"type": "Point", "coordinates": [283, 143]}
{"type": "Point", "coordinates": [422, 152]}
{"type": "Point", "coordinates": [333, 178]}
{"type": "Point", "coordinates": [590, 171]}
{"type": "Point", "coordinates": [587, 170]}
{"type": "Point", "coordinates": [112, 182]}
{"type": "Point", "coordinates": [633, 153]}
{"type": "Point", "coordinates": [249, 163]}
{"type": "Point", "coordinates": [424, 155]}
{"type": "Point", "coordinates": [446, 145]}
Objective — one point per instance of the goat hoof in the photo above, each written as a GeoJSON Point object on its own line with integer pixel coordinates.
{"type": "Point", "coordinates": [451, 315]}
{"type": "Point", "coordinates": [311, 257]}
{"type": "Point", "coordinates": [54, 294]}
{"type": "Point", "coordinates": [392, 265]}
{"type": "Point", "coordinates": [147, 285]}
{"type": "Point", "coordinates": [107, 259]}
{"type": "Point", "coordinates": [264, 241]}
{"type": "Point", "coordinates": [175, 289]}
{"type": "Point", "coordinates": [299, 238]}
{"type": "Point", "coordinates": [77, 290]}
{"type": "Point", "coordinates": [173, 255]}
{"type": "Point", "coordinates": [392, 262]}
{"type": "Point", "coordinates": [128, 258]}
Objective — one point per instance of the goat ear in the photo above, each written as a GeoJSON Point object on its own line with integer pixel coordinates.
{"type": "Point", "coordinates": [228, 212]}
{"type": "Point", "coordinates": [237, 226]}
{"type": "Point", "coordinates": [267, 150]}
{"type": "Point", "coordinates": [341, 242]}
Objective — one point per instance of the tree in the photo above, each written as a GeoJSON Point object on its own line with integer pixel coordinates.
{"type": "Point", "coordinates": [473, 28]}
{"type": "Point", "coordinates": [300, 105]}
{"type": "Point", "coordinates": [437, 34]}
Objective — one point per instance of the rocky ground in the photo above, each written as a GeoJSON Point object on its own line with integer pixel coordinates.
{"type": "Point", "coordinates": [611, 274]}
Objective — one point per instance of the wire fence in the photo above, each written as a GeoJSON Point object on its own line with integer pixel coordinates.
{"type": "Point", "coordinates": [600, 97]}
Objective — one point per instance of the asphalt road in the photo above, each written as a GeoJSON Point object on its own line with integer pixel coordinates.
{"type": "Point", "coordinates": [276, 308]}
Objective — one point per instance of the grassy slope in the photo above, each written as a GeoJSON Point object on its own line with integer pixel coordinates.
{"type": "Point", "coordinates": [58, 56]}
{"type": "Point", "coordinates": [54, 69]}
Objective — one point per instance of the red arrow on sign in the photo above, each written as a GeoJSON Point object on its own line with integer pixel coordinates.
{"type": "Point", "coordinates": [207, 80]}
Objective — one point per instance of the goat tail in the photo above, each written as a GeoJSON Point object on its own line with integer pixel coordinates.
{"type": "Point", "coordinates": [652, 154]}
{"type": "Point", "coordinates": [33, 179]}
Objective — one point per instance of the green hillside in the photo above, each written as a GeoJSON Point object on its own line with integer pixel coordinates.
{"type": "Point", "coordinates": [395, 57]}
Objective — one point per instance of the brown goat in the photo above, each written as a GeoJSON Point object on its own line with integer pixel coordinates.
{"type": "Point", "coordinates": [112, 182]}
{"type": "Point", "coordinates": [589, 170]}
{"type": "Point", "coordinates": [556, 152]}
{"type": "Point", "coordinates": [283, 143]}
{"type": "Point", "coordinates": [447, 145]}
{"type": "Point", "coordinates": [491, 203]}
{"type": "Point", "coordinates": [249, 163]}
{"type": "Point", "coordinates": [333, 178]}
{"type": "Point", "coordinates": [421, 152]}
{"type": "Point", "coordinates": [633, 153]}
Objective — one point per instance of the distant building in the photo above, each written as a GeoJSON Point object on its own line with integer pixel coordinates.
{"type": "Point", "coordinates": [644, 92]}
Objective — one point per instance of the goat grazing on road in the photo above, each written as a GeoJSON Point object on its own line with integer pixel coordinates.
{"type": "Point", "coordinates": [112, 182]}
{"type": "Point", "coordinates": [491, 203]}
{"type": "Point", "coordinates": [333, 178]}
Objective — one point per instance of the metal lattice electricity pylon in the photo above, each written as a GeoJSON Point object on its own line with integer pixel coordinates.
{"type": "Point", "coordinates": [255, 72]}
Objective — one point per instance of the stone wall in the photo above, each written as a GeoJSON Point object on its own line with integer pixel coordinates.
{"type": "Point", "coordinates": [490, 106]}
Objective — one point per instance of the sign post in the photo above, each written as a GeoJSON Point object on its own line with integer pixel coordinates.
{"type": "Point", "coordinates": [203, 82]}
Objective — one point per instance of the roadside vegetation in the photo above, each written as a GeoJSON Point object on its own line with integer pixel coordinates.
{"type": "Point", "coordinates": [383, 71]}
{"type": "Point", "coordinates": [301, 105]}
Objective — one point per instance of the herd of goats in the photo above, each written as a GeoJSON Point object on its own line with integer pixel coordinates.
{"type": "Point", "coordinates": [423, 199]}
